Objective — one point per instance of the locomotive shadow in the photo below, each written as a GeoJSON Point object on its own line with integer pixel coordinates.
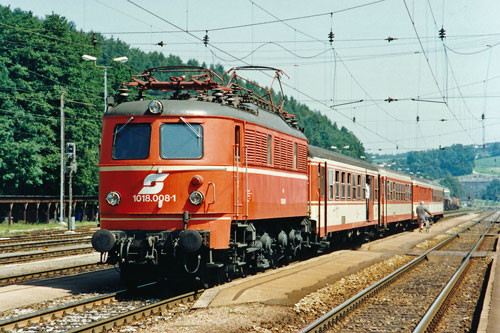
{"type": "Point", "coordinates": [97, 281]}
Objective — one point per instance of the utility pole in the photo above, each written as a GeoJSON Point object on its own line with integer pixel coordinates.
{"type": "Point", "coordinates": [71, 167]}
{"type": "Point", "coordinates": [105, 88]}
{"type": "Point", "coordinates": [61, 210]}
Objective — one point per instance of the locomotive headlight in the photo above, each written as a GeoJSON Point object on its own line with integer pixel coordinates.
{"type": "Point", "coordinates": [155, 107]}
{"type": "Point", "coordinates": [113, 198]}
{"type": "Point", "coordinates": [196, 198]}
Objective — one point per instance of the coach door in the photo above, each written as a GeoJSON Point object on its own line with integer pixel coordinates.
{"type": "Point", "coordinates": [378, 193]}
{"type": "Point", "coordinates": [369, 198]}
{"type": "Point", "coordinates": [322, 207]}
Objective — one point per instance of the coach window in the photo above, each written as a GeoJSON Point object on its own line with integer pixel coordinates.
{"type": "Point", "coordinates": [330, 184]}
{"type": "Point", "coordinates": [389, 190]}
{"type": "Point", "coordinates": [269, 147]}
{"type": "Point", "coordinates": [354, 187]}
{"type": "Point", "coordinates": [375, 190]}
{"type": "Point", "coordinates": [349, 186]}
{"type": "Point", "coordinates": [359, 187]}
{"type": "Point", "coordinates": [181, 141]}
{"type": "Point", "coordinates": [131, 141]}
{"type": "Point", "coordinates": [337, 185]}
{"type": "Point", "coordinates": [364, 187]}
{"type": "Point", "coordinates": [343, 185]}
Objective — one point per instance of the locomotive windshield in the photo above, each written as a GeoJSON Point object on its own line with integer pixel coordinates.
{"type": "Point", "coordinates": [131, 141]}
{"type": "Point", "coordinates": [180, 141]}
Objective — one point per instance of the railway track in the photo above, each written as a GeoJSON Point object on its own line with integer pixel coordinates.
{"type": "Point", "coordinates": [18, 257]}
{"type": "Point", "coordinates": [10, 240]}
{"type": "Point", "coordinates": [406, 304]}
{"type": "Point", "coordinates": [34, 245]}
{"type": "Point", "coordinates": [95, 314]}
{"type": "Point", "coordinates": [52, 273]}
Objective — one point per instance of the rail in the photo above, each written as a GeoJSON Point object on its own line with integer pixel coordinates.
{"type": "Point", "coordinates": [430, 319]}
{"type": "Point", "coordinates": [83, 305]}
{"type": "Point", "coordinates": [17, 257]}
{"type": "Point", "coordinates": [51, 273]}
{"type": "Point", "coordinates": [133, 315]}
{"type": "Point", "coordinates": [336, 314]}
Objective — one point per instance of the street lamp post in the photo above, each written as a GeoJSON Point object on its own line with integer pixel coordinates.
{"type": "Point", "coordinates": [94, 59]}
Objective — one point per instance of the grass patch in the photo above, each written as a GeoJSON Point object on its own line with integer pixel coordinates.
{"type": "Point", "coordinates": [488, 165]}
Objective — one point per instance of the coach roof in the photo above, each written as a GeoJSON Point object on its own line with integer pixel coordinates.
{"type": "Point", "coordinates": [326, 154]}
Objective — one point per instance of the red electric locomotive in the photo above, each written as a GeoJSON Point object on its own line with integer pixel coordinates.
{"type": "Point", "coordinates": [220, 181]}
{"type": "Point", "coordinates": [208, 184]}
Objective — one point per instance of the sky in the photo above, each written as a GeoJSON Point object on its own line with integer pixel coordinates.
{"type": "Point", "coordinates": [385, 68]}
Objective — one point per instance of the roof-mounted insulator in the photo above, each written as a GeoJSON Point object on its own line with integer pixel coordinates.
{"type": "Point", "coordinates": [94, 40]}
{"type": "Point", "coordinates": [331, 36]}
{"type": "Point", "coordinates": [442, 33]}
{"type": "Point", "coordinates": [123, 93]}
{"type": "Point", "coordinates": [230, 98]}
{"type": "Point", "coordinates": [161, 43]}
{"type": "Point", "coordinates": [218, 93]}
{"type": "Point", "coordinates": [205, 39]}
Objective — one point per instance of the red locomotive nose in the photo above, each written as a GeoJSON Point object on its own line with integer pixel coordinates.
{"type": "Point", "coordinates": [197, 180]}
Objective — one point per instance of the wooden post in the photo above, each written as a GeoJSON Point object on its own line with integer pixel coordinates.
{"type": "Point", "coordinates": [48, 212]}
{"type": "Point", "coordinates": [10, 212]}
{"type": "Point", "coordinates": [25, 209]}
{"type": "Point", "coordinates": [84, 215]}
{"type": "Point", "coordinates": [36, 215]}
{"type": "Point", "coordinates": [55, 211]}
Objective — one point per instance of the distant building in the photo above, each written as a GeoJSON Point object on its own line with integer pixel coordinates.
{"type": "Point", "coordinates": [475, 185]}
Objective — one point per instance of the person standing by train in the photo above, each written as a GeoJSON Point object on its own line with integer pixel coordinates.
{"type": "Point", "coordinates": [421, 210]}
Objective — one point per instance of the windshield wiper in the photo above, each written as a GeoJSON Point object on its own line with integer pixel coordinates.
{"type": "Point", "coordinates": [118, 130]}
{"type": "Point", "coordinates": [191, 128]}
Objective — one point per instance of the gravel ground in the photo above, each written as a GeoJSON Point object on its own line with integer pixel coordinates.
{"type": "Point", "coordinates": [461, 316]}
{"type": "Point", "coordinates": [44, 305]}
{"type": "Point", "coordinates": [268, 318]}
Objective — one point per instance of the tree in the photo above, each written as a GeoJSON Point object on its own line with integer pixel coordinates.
{"type": "Point", "coordinates": [39, 58]}
{"type": "Point", "coordinates": [492, 191]}
{"type": "Point", "coordinates": [453, 185]}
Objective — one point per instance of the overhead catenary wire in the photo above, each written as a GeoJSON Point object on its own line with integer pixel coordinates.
{"type": "Point", "coordinates": [432, 72]}
{"type": "Point", "coordinates": [337, 56]}
{"type": "Point", "coordinates": [228, 54]}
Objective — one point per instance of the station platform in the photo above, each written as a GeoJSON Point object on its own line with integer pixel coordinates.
{"type": "Point", "coordinates": [490, 314]}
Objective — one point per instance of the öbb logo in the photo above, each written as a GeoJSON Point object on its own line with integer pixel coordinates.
{"type": "Point", "coordinates": [153, 183]}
